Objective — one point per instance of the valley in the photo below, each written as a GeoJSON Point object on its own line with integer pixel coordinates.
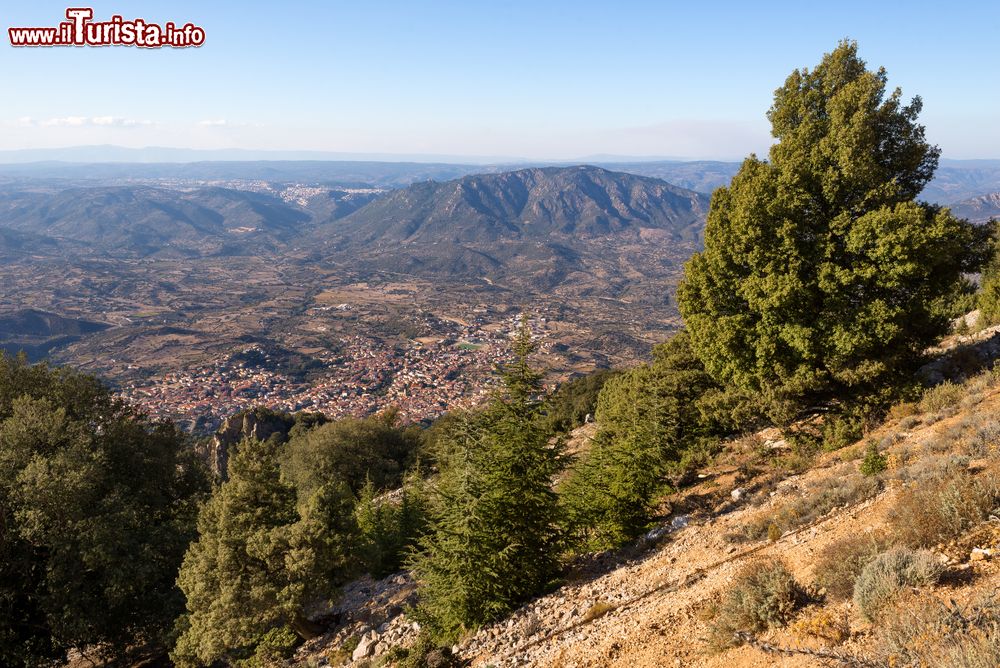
{"type": "Point", "coordinates": [168, 276]}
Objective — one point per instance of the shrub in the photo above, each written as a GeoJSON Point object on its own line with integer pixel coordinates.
{"type": "Point", "coordinates": [840, 563]}
{"type": "Point", "coordinates": [763, 595]}
{"type": "Point", "coordinates": [925, 516]}
{"type": "Point", "coordinates": [940, 397]}
{"type": "Point", "coordinates": [902, 410]}
{"type": "Point", "coordinates": [888, 574]}
{"type": "Point", "coordinates": [599, 609]}
{"type": "Point", "coordinates": [932, 469]}
{"type": "Point", "coordinates": [874, 461]}
{"type": "Point", "coordinates": [826, 625]}
{"type": "Point", "coordinates": [927, 632]}
{"type": "Point", "coordinates": [818, 499]}
{"type": "Point", "coordinates": [840, 431]}
{"type": "Point", "coordinates": [984, 438]}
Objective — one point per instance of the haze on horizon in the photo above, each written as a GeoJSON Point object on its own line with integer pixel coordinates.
{"type": "Point", "coordinates": [559, 81]}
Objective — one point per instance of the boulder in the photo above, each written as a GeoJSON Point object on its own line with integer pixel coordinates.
{"type": "Point", "coordinates": [366, 647]}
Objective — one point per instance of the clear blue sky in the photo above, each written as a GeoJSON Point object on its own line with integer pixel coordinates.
{"type": "Point", "coordinates": [529, 79]}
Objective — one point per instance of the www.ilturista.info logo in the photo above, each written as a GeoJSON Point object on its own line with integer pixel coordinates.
{"type": "Point", "coordinates": [81, 30]}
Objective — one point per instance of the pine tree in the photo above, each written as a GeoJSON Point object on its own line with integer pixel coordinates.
{"type": "Point", "coordinates": [988, 298]}
{"type": "Point", "coordinates": [388, 527]}
{"type": "Point", "coordinates": [493, 539]}
{"type": "Point", "coordinates": [650, 420]}
{"type": "Point", "coordinates": [264, 553]}
{"type": "Point", "coordinates": [822, 276]}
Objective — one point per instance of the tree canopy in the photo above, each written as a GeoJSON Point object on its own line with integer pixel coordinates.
{"type": "Point", "coordinates": [822, 275]}
{"type": "Point", "coordinates": [97, 505]}
{"type": "Point", "coordinates": [265, 552]}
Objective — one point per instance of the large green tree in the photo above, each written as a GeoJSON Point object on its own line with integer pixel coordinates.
{"type": "Point", "coordinates": [354, 451]}
{"type": "Point", "coordinates": [493, 539]}
{"type": "Point", "coordinates": [822, 275]}
{"type": "Point", "coordinates": [97, 505]}
{"type": "Point", "coordinates": [265, 553]}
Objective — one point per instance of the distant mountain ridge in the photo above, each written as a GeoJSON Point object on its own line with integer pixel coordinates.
{"type": "Point", "coordinates": [978, 209]}
{"type": "Point", "coordinates": [535, 203]}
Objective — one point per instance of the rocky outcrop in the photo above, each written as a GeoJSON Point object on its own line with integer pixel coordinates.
{"type": "Point", "coordinates": [257, 423]}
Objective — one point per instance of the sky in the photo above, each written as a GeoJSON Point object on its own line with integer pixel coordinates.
{"type": "Point", "coordinates": [514, 79]}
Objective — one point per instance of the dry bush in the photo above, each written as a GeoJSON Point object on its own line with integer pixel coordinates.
{"type": "Point", "coordinates": [983, 438]}
{"type": "Point", "coordinates": [599, 609]}
{"type": "Point", "coordinates": [890, 573]}
{"type": "Point", "coordinates": [925, 515]}
{"type": "Point", "coordinates": [909, 422]}
{"type": "Point", "coordinates": [980, 383]}
{"type": "Point", "coordinates": [840, 563]}
{"type": "Point", "coordinates": [926, 632]}
{"type": "Point", "coordinates": [903, 410]}
{"type": "Point", "coordinates": [826, 625]}
{"type": "Point", "coordinates": [932, 469]}
{"type": "Point", "coordinates": [819, 499]}
{"type": "Point", "coordinates": [763, 595]}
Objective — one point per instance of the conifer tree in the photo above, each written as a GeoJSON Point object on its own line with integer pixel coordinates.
{"type": "Point", "coordinates": [389, 527]}
{"type": "Point", "coordinates": [263, 555]}
{"type": "Point", "coordinates": [493, 539]}
{"type": "Point", "coordinates": [822, 276]}
{"type": "Point", "coordinates": [988, 299]}
{"type": "Point", "coordinates": [650, 420]}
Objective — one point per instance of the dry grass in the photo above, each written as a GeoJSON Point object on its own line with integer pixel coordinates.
{"type": "Point", "coordinates": [819, 499]}
{"type": "Point", "coordinates": [923, 631]}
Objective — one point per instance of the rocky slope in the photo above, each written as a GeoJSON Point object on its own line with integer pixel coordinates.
{"type": "Point", "coordinates": [651, 604]}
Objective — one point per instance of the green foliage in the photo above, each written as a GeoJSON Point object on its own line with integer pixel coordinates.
{"type": "Point", "coordinates": [568, 407]}
{"type": "Point", "coordinates": [885, 576]}
{"type": "Point", "coordinates": [763, 595]}
{"type": "Point", "coordinates": [388, 527]}
{"type": "Point", "coordinates": [97, 505]}
{"type": "Point", "coordinates": [265, 552]}
{"type": "Point", "coordinates": [649, 420]}
{"type": "Point", "coordinates": [840, 431]}
{"type": "Point", "coordinates": [493, 539]}
{"type": "Point", "coordinates": [822, 276]}
{"type": "Point", "coordinates": [941, 396]}
{"type": "Point", "coordinates": [274, 648]}
{"type": "Point", "coordinates": [352, 451]}
{"type": "Point", "coordinates": [874, 462]}
{"type": "Point", "coordinates": [988, 298]}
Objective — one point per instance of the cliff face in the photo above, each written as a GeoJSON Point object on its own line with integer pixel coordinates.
{"type": "Point", "coordinates": [257, 423]}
